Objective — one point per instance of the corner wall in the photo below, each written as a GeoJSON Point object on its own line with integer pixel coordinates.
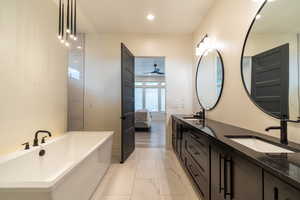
{"type": "Point", "coordinates": [33, 72]}
{"type": "Point", "coordinates": [229, 22]}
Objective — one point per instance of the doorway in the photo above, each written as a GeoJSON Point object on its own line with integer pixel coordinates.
{"type": "Point", "coordinates": [150, 102]}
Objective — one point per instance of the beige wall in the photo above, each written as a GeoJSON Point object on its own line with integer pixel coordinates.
{"type": "Point", "coordinates": [103, 76]}
{"type": "Point", "coordinates": [33, 72]}
{"type": "Point", "coordinates": [229, 21]}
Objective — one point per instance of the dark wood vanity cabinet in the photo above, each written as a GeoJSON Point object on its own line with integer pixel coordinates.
{"type": "Point", "coordinates": [275, 189]}
{"type": "Point", "coordinates": [196, 160]}
{"type": "Point", "coordinates": [177, 128]}
{"type": "Point", "coordinates": [221, 173]}
{"type": "Point", "coordinates": [233, 177]}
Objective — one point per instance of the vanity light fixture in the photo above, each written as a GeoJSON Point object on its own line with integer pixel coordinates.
{"type": "Point", "coordinates": [205, 45]}
{"type": "Point", "coordinates": [71, 21]}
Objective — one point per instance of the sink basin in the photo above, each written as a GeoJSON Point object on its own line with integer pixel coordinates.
{"type": "Point", "coordinates": [260, 145]}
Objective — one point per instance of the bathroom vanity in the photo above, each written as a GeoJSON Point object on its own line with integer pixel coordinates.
{"type": "Point", "coordinates": [221, 168]}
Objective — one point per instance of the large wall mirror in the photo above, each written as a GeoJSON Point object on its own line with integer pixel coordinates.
{"type": "Point", "coordinates": [209, 79]}
{"type": "Point", "coordinates": [270, 59]}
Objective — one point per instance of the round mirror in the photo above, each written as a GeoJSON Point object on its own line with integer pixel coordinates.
{"type": "Point", "coordinates": [270, 59]}
{"type": "Point", "coordinates": [209, 79]}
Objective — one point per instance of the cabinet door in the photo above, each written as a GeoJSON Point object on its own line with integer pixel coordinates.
{"type": "Point", "coordinates": [180, 128]}
{"type": "Point", "coordinates": [234, 178]}
{"type": "Point", "coordinates": [247, 181]}
{"type": "Point", "coordinates": [217, 172]}
{"type": "Point", "coordinates": [174, 133]}
{"type": "Point", "coordinates": [275, 189]}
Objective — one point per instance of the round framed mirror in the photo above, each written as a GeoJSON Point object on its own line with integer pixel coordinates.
{"type": "Point", "coordinates": [209, 79]}
{"type": "Point", "coordinates": [270, 60]}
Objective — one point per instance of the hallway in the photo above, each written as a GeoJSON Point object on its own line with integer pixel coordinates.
{"type": "Point", "coordinates": [149, 174]}
{"type": "Point", "coordinates": [155, 137]}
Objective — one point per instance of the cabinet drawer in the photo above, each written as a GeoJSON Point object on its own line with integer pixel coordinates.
{"type": "Point", "coordinates": [275, 189]}
{"type": "Point", "coordinates": [199, 152]}
{"type": "Point", "coordinates": [198, 177]}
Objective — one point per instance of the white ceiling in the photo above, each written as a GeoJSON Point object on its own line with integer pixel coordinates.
{"type": "Point", "coordinates": [144, 65]}
{"type": "Point", "coordinates": [280, 16]}
{"type": "Point", "coordinates": [129, 16]}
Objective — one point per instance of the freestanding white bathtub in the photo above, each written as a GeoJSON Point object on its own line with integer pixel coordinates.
{"type": "Point", "coordinates": [70, 170]}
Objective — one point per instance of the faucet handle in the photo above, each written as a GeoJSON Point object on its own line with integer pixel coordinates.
{"type": "Point", "coordinates": [26, 145]}
{"type": "Point", "coordinates": [43, 139]}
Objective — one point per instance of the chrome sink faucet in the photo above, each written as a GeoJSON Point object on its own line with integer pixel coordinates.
{"type": "Point", "coordinates": [36, 141]}
{"type": "Point", "coordinates": [283, 131]}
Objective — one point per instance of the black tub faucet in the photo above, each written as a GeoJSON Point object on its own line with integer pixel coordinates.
{"type": "Point", "coordinates": [36, 140]}
{"type": "Point", "coordinates": [283, 131]}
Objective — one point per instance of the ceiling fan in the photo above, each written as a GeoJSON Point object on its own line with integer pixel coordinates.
{"type": "Point", "coordinates": [155, 71]}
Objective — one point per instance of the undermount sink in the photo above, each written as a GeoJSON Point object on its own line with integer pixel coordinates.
{"type": "Point", "coordinates": [259, 145]}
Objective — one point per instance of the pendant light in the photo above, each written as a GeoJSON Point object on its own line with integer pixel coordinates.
{"type": "Point", "coordinates": [71, 21]}
{"type": "Point", "coordinates": [59, 23]}
{"type": "Point", "coordinates": [68, 16]}
{"type": "Point", "coordinates": [75, 20]}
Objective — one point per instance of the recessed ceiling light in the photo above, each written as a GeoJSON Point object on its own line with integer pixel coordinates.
{"type": "Point", "coordinates": [150, 17]}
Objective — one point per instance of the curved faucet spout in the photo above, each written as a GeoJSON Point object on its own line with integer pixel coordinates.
{"type": "Point", "coordinates": [36, 141]}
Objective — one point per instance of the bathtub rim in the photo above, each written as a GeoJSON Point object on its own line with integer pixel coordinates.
{"type": "Point", "coordinates": [48, 186]}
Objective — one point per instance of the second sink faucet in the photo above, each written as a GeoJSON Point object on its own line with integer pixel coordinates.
{"type": "Point", "coordinates": [283, 131]}
{"type": "Point", "coordinates": [36, 140]}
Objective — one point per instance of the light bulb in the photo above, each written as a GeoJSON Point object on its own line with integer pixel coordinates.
{"type": "Point", "coordinates": [75, 38]}
{"type": "Point", "coordinates": [150, 17]}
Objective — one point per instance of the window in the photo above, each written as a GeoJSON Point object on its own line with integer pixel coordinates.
{"type": "Point", "coordinates": [138, 98]}
{"type": "Point", "coordinates": [151, 99]}
{"type": "Point", "coordinates": [163, 99]}
{"type": "Point", "coordinates": [152, 83]}
{"type": "Point", "coordinates": [138, 83]}
{"type": "Point", "coordinates": [150, 96]}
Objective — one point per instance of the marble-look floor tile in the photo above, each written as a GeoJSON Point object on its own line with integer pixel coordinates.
{"type": "Point", "coordinates": [183, 197]}
{"type": "Point", "coordinates": [118, 181]}
{"type": "Point", "coordinates": [148, 174]}
{"type": "Point", "coordinates": [145, 189]}
{"type": "Point", "coordinates": [170, 183]}
{"type": "Point", "coordinates": [115, 198]}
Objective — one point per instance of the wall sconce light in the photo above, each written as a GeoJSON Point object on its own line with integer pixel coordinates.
{"type": "Point", "coordinates": [205, 45]}
{"type": "Point", "coordinates": [71, 22]}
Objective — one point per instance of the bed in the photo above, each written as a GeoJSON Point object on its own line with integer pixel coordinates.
{"type": "Point", "coordinates": [142, 120]}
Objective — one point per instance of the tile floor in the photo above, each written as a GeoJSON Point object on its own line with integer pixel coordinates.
{"type": "Point", "coordinates": [149, 174]}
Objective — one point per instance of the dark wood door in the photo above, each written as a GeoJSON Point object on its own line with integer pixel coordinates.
{"type": "Point", "coordinates": [275, 189]}
{"type": "Point", "coordinates": [127, 76]}
{"type": "Point", "coordinates": [270, 80]}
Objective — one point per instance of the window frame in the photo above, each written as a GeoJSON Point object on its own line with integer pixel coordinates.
{"type": "Point", "coordinates": [161, 85]}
